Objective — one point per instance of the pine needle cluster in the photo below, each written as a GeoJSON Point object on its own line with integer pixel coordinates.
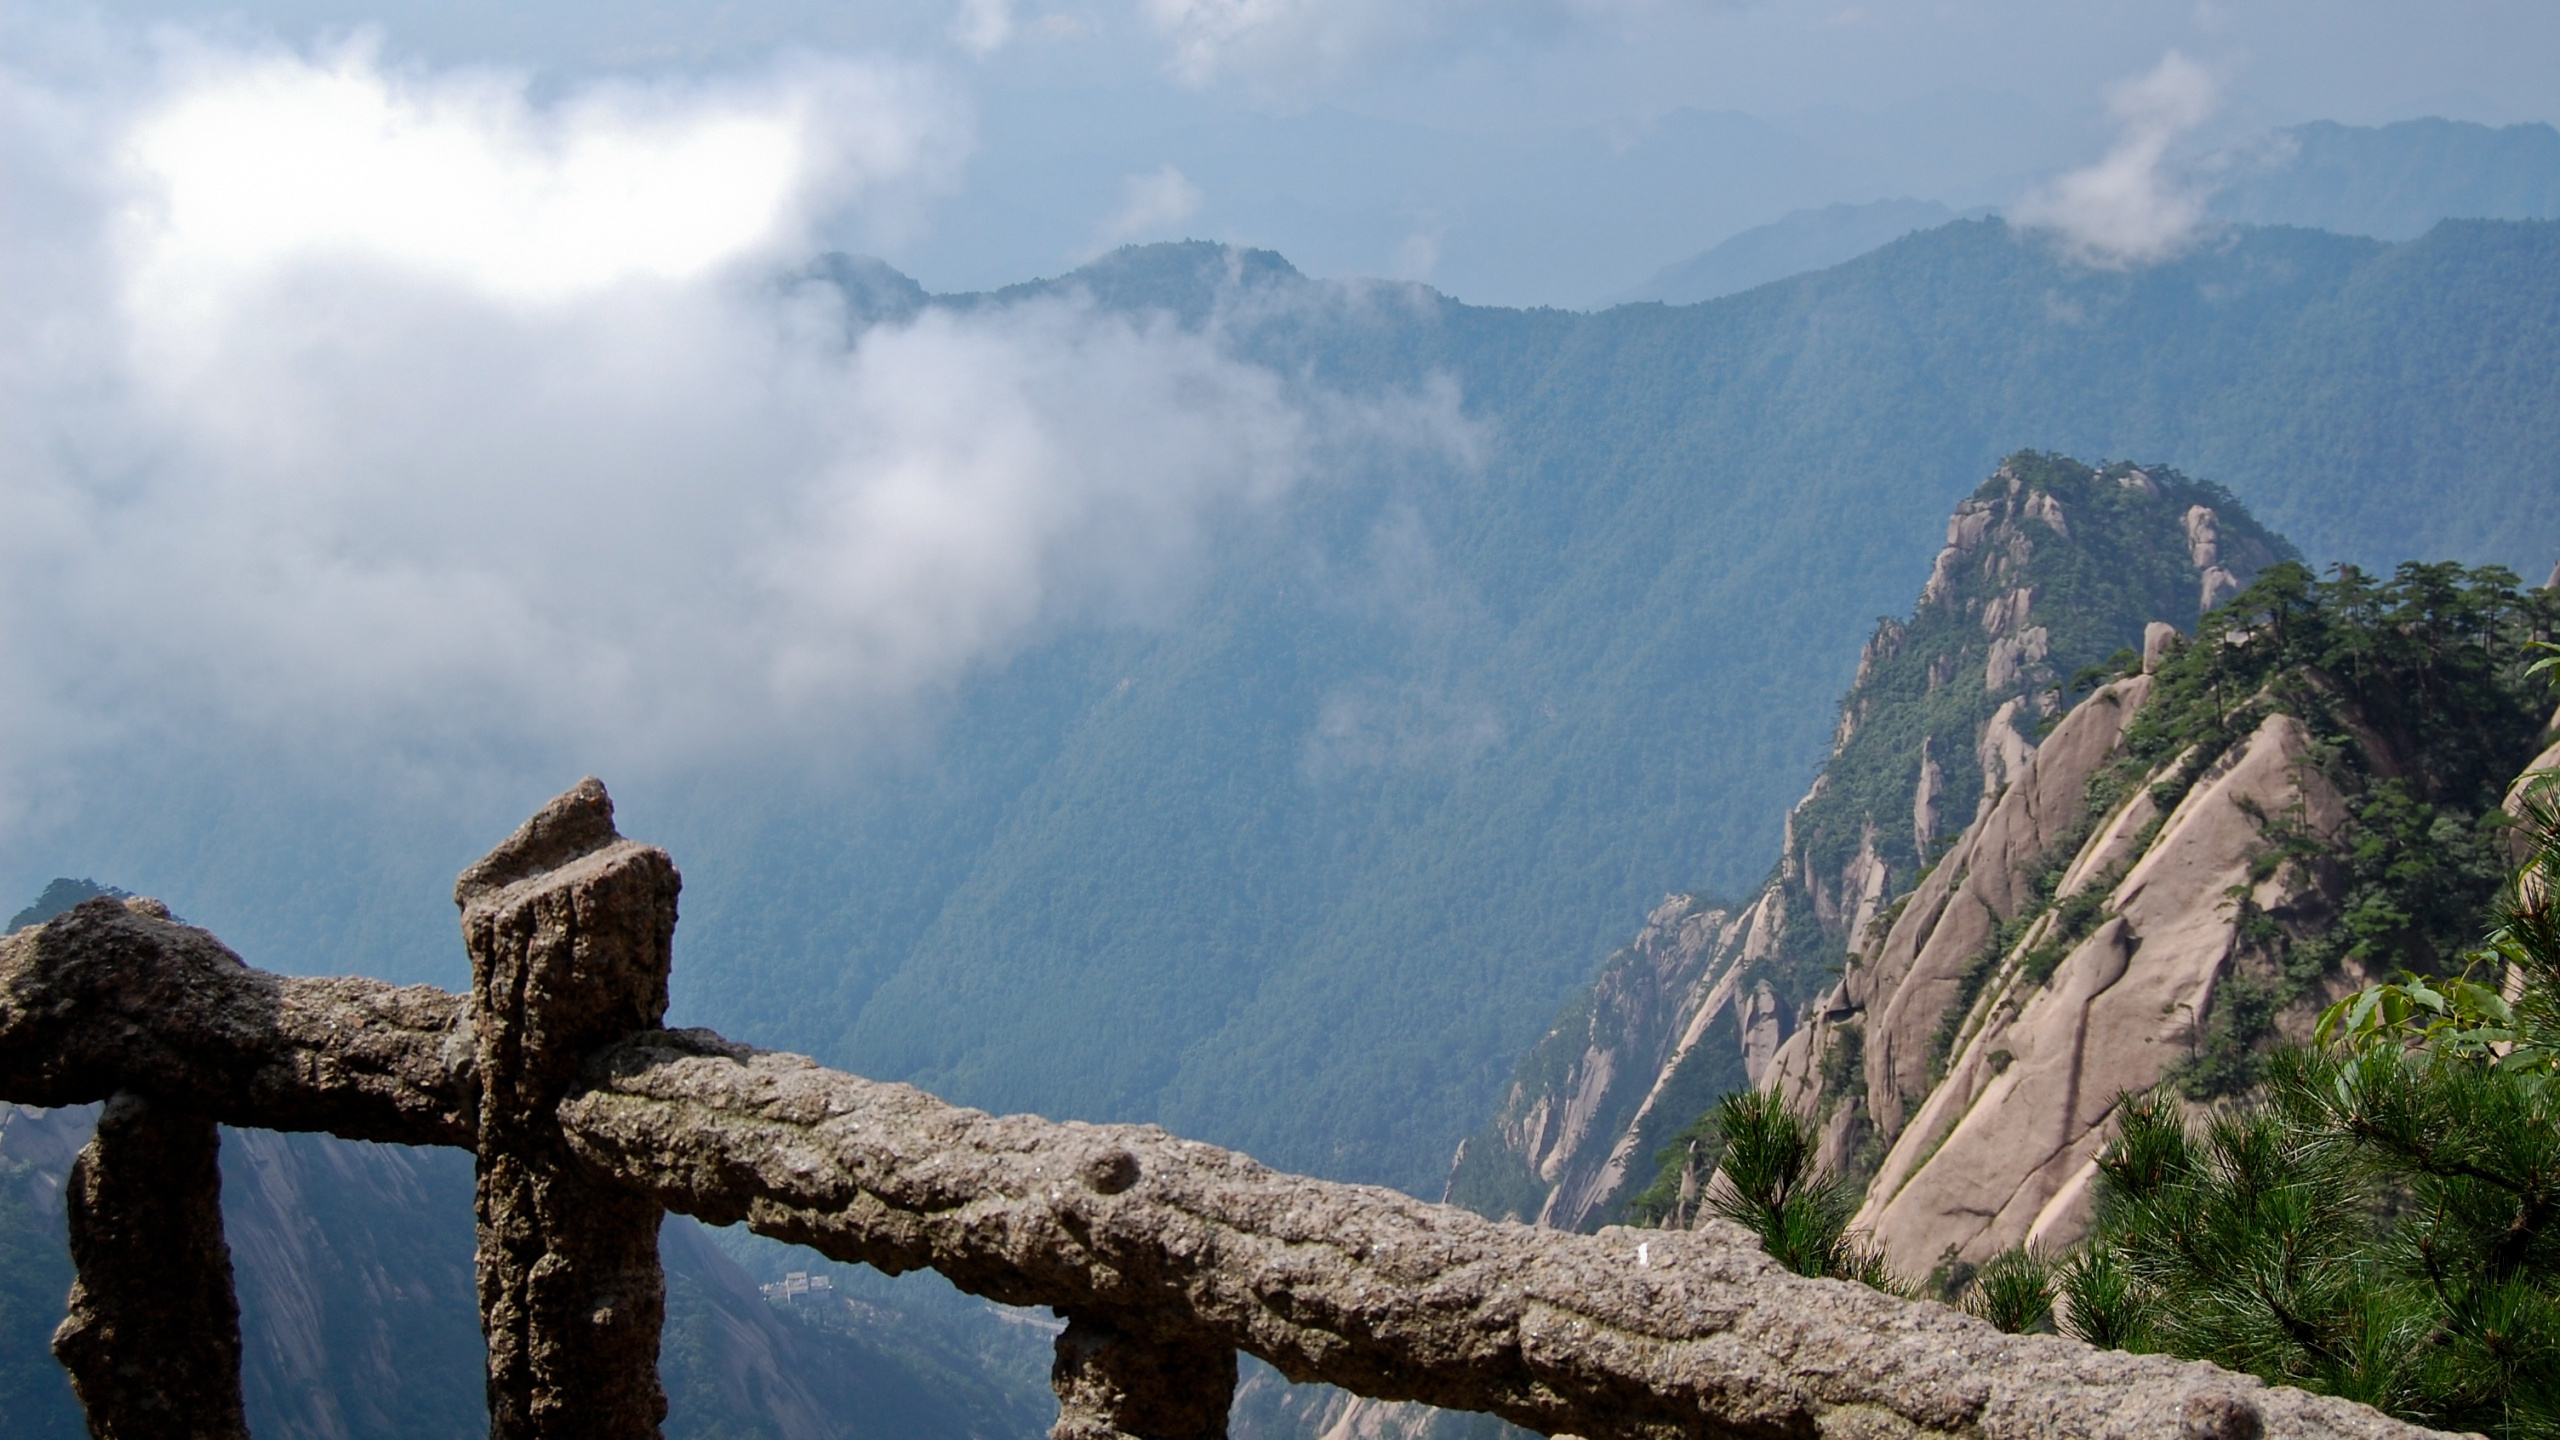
{"type": "Point", "coordinates": [1770, 1184]}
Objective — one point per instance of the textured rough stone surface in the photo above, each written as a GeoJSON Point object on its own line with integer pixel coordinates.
{"type": "Point", "coordinates": [1626, 1333]}
{"type": "Point", "coordinates": [153, 1338]}
{"type": "Point", "coordinates": [1907, 981]}
{"type": "Point", "coordinates": [2004, 1150]}
{"type": "Point", "coordinates": [113, 996]}
{"type": "Point", "coordinates": [1113, 1384]}
{"type": "Point", "coordinates": [570, 929]}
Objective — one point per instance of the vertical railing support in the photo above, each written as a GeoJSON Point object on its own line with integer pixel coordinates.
{"type": "Point", "coordinates": [153, 1338]}
{"type": "Point", "coordinates": [569, 928]}
{"type": "Point", "coordinates": [1116, 1385]}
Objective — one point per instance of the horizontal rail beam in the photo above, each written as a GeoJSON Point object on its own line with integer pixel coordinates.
{"type": "Point", "coordinates": [1637, 1334]}
{"type": "Point", "coordinates": [1166, 1254]}
{"type": "Point", "coordinates": [117, 996]}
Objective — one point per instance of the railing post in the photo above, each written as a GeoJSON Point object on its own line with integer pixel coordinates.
{"type": "Point", "coordinates": [569, 928]}
{"type": "Point", "coordinates": [1115, 1385]}
{"type": "Point", "coordinates": [153, 1338]}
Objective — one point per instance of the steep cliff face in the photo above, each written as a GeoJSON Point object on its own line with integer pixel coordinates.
{"type": "Point", "coordinates": [354, 1269]}
{"type": "Point", "coordinates": [1997, 1026]}
{"type": "Point", "coordinates": [1268, 1407]}
{"type": "Point", "coordinates": [1662, 1032]}
{"type": "Point", "coordinates": [2003, 1149]}
{"type": "Point", "coordinates": [2050, 567]}
{"type": "Point", "coordinates": [2192, 865]}
{"type": "Point", "coordinates": [36, 1147]}
{"type": "Point", "coordinates": [1874, 1042]}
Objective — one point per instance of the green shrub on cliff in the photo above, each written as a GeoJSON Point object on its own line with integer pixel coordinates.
{"type": "Point", "coordinates": [1767, 1182]}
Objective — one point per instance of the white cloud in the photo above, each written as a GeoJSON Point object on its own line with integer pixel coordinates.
{"type": "Point", "coordinates": [1417, 256]}
{"type": "Point", "coordinates": [258, 163]}
{"type": "Point", "coordinates": [983, 26]}
{"type": "Point", "coordinates": [2132, 207]}
{"type": "Point", "coordinates": [392, 412]}
{"type": "Point", "coordinates": [1152, 206]}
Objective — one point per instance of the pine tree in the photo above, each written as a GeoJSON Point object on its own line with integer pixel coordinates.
{"type": "Point", "coordinates": [1768, 1183]}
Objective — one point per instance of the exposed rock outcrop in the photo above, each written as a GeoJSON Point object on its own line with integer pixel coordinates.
{"type": "Point", "coordinates": [1659, 1022]}
{"type": "Point", "coordinates": [2049, 567]}
{"type": "Point", "coordinates": [2003, 1150]}
{"type": "Point", "coordinates": [1895, 998]}
{"type": "Point", "coordinates": [2162, 891]}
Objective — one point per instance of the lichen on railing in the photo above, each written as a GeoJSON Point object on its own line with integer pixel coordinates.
{"type": "Point", "coordinates": [1165, 1256]}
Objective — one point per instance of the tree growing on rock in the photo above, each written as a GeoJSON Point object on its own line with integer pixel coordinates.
{"type": "Point", "coordinates": [1767, 1181]}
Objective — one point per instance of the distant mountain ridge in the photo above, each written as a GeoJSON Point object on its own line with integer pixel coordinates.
{"type": "Point", "coordinates": [1798, 241]}
{"type": "Point", "coordinates": [2391, 182]}
{"type": "Point", "coordinates": [1639, 566]}
{"type": "Point", "coordinates": [2394, 181]}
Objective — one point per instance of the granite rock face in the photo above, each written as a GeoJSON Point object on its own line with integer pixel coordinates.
{"type": "Point", "coordinates": [1573, 1124]}
{"type": "Point", "coordinates": [2003, 1151]}
{"type": "Point", "coordinates": [2048, 567]}
{"type": "Point", "coordinates": [2065, 953]}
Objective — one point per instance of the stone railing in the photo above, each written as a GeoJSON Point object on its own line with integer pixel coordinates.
{"type": "Point", "coordinates": [1165, 1256]}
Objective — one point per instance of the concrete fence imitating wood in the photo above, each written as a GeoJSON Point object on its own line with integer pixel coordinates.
{"type": "Point", "coordinates": [1165, 1256]}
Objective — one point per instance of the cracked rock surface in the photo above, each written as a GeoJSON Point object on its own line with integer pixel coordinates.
{"type": "Point", "coordinates": [571, 929]}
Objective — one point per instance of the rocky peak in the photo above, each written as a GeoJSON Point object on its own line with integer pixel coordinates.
{"type": "Point", "coordinates": [2049, 567]}
{"type": "Point", "coordinates": [2196, 860]}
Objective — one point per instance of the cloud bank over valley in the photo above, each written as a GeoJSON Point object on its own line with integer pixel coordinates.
{"type": "Point", "coordinates": [387, 410]}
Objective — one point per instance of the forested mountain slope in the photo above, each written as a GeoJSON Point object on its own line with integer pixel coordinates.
{"type": "Point", "coordinates": [1303, 861]}
{"type": "Point", "coordinates": [1304, 872]}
